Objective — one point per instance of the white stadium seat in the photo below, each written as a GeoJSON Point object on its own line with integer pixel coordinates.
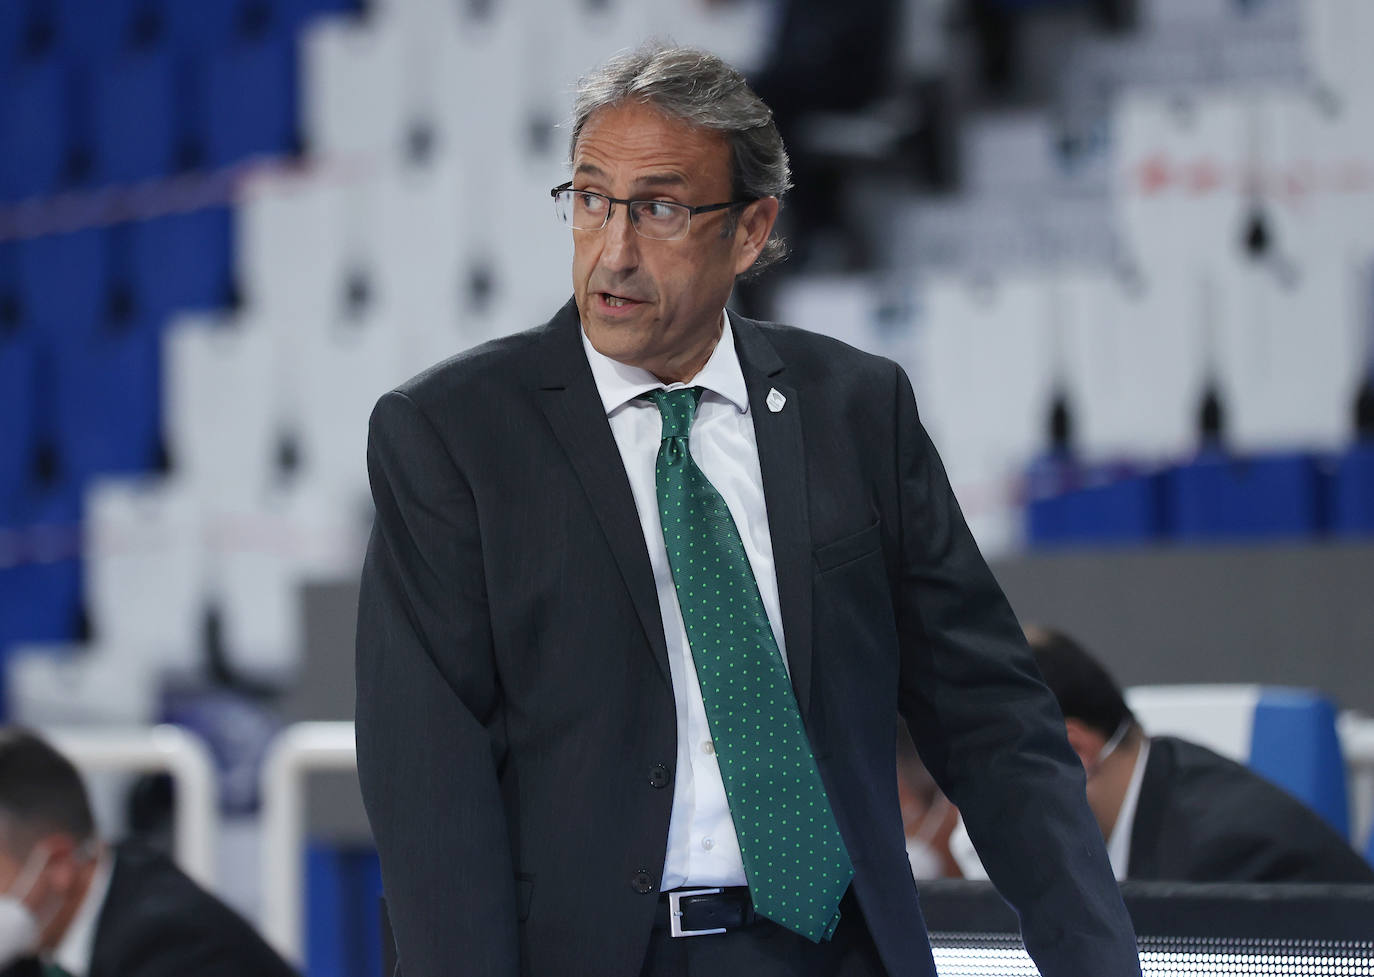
{"type": "Point", "coordinates": [262, 555]}
{"type": "Point", "coordinates": [93, 684]}
{"type": "Point", "coordinates": [145, 570]}
{"type": "Point", "coordinates": [298, 237]}
{"type": "Point", "coordinates": [355, 88]}
{"type": "Point", "coordinates": [340, 376]}
{"type": "Point", "coordinates": [220, 408]}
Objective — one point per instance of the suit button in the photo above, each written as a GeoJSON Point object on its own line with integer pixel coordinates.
{"type": "Point", "coordinates": [659, 776]}
{"type": "Point", "coordinates": [642, 881]}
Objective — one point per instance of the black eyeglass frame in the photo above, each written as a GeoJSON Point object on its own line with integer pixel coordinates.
{"type": "Point", "coordinates": [691, 211]}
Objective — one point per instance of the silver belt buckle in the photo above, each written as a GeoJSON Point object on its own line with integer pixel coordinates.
{"type": "Point", "coordinates": [675, 911]}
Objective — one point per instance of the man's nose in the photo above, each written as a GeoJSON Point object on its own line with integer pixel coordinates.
{"type": "Point", "coordinates": [620, 252]}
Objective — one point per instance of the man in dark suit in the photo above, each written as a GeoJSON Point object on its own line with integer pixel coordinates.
{"type": "Point", "coordinates": [1173, 810]}
{"type": "Point", "coordinates": [84, 910]}
{"type": "Point", "coordinates": [645, 589]}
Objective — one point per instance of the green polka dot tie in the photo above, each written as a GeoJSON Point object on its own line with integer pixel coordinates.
{"type": "Point", "coordinates": [795, 860]}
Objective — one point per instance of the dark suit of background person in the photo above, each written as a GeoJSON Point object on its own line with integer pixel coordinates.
{"type": "Point", "coordinates": [1204, 818]}
{"type": "Point", "coordinates": [156, 922]}
{"type": "Point", "coordinates": [142, 916]}
{"type": "Point", "coordinates": [1198, 817]}
{"type": "Point", "coordinates": [516, 720]}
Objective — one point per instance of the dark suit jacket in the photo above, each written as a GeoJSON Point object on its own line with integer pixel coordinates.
{"type": "Point", "coordinates": [1204, 818]}
{"type": "Point", "coordinates": [156, 922]}
{"type": "Point", "coordinates": [515, 713]}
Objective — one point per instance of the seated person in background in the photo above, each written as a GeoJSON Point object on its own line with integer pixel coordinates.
{"type": "Point", "coordinates": [1173, 810]}
{"type": "Point", "coordinates": [927, 815]}
{"type": "Point", "coordinates": [70, 905]}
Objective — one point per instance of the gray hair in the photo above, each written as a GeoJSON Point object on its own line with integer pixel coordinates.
{"type": "Point", "coordinates": [701, 90]}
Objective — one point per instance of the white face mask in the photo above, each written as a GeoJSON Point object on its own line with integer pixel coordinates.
{"type": "Point", "coordinates": [19, 927]}
{"type": "Point", "coordinates": [964, 854]}
{"type": "Point", "coordinates": [1109, 747]}
{"type": "Point", "coordinates": [924, 858]}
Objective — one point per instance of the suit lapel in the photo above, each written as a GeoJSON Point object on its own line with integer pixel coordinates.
{"type": "Point", "coordinates": [782, 461]}
{"type": "Point", "coordinates": [568, 396]}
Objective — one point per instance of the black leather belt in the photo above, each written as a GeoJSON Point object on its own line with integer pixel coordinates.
{"type": "Point", "coordinates": [702, 912]}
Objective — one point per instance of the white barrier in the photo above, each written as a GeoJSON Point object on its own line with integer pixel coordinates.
{"type": "Point", "coordinates": [297, 751]}
{"type": "Point", "coordinates": [160, 749]}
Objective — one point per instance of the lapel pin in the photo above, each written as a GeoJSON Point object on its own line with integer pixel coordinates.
{"type": "Point", "coordinates": [775, 400]}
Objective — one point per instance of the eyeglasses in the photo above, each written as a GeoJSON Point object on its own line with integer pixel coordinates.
{"type": "Point", "coordinates": [658, 220]}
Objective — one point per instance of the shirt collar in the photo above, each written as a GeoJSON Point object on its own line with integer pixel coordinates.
{"type": "Point", "coordinates": [619, 383]}
{"type": "Point", "coordinates": [1119, 844]}
{"type": "Point", "coordinates": [73, 954]}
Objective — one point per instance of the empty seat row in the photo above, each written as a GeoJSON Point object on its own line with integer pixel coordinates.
{"type": "Point", "coordinates": [484, 81]}
{"type": "Point", "coordinates": [98, 30]}
{"type": "Point", "coordinates": [73, 286]}
{"type": "Point", "coordinates": [81, 322]}
{"type": "Point", "coordinates": [145, 116]}
{"type": "Point", "coordinates": [1213, 497]}
{"type": "Point", "coordinates": [167, 581]}
{"type": "Point", "coordinates": [1128, 367]}
{"type": "Point", "coordinates": [446, 256]}
{"type": "Point", "coordinates": [78, 412]}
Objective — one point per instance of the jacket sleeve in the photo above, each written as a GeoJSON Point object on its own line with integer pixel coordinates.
{"type": "Point", "coordinates": [990, 731]}
{"type": "Point", "coordinates": [429, 721]}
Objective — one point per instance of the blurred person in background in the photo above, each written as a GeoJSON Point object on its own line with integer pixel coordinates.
{"type": "Point", "coordinates": [72, 905]}
{"type": "Point", "coordinates": [559, 777]}
{"type": "Point", "coordinates": [1172, 810]}
{"type": "Point", "coordinates": [928, 818]}
{"type": "Point", "coordinates": [825, 56]}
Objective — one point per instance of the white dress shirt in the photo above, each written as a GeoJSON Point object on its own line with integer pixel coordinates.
{"type": "Point", "coordinates": [702, 847]}
{"type": "Point", "coordinates": [1119, 844]}
{"type": "Point", "coordinates": [73, 954]}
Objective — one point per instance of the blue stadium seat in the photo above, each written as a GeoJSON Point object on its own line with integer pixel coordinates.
{"type": "Point", "coordinates": [1295, 744]}
{"type": "Point", "coordinates": [63, 282]}
{"type": "Point", "coordinates": [1263, 497]}
{"type": "Point", "coordinates": [35, 129]}
{"type": "Point", "coordinates": [343, 934]}
{"type": "Point", "coordinates": [134, 118]}
{"type": "Point", "coordinates": [294, 14]}
{"type": "Point", "coordinates": [13, 20]}
{"type": "Point", "coordinates": [1352, 503]}
{"type": "Point", "coordinates": [106, 403]}
{"type": "Point", "coordinates": [183, 261]}
{"type": "Point", "coordinates": [18, 419]}
{"type": "Point", "coordinates": [39, 601]}
{"type": "Point", "coordinates": [11, 309]}
{"type": "Point", "coordinates": [250, 100]}
{"type": "Point", "coordinates": [92, 29]}
{"type": "Point", "coordinates": [40, 573]}
{"type": "Point", "coordinates": [1127, 509]}
{"type": "Point", "coordinates": [198, 28]}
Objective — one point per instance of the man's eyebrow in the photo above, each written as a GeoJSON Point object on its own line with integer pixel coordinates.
{"type": "Point", "coordinates": [662, 180]}
{"type": "Point", "coordinates": [652, 180]}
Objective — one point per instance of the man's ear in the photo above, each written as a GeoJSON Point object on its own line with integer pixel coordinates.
{"type": "Point", "coordinates": [1086, 741]}
{"type": "Point", "coordinates": [751, 233]}
{"type": "Point", "coordinates": [61, 867]}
